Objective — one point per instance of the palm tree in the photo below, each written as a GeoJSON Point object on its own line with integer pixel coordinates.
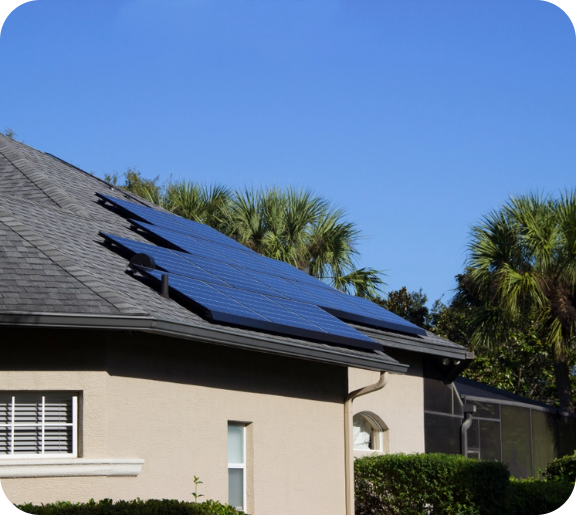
{"type": "Point", "coordinates": [304, 230]}
{"type": "Point", "coordinates": [522, 266]}
{"type": "Point", "coordinates": [204, 204]}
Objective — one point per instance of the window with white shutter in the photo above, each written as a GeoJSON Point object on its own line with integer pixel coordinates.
{"type": "Point", "coordinates": [38, 424]}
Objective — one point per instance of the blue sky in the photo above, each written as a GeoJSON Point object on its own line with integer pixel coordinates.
{"type": "Point", "coordinates": [417, 116]}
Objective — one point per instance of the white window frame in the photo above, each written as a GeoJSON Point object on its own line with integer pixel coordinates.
{"type": "Point", "coordinates": [241, 466]}
{"type": "Point", "coordinates": [42, 455]}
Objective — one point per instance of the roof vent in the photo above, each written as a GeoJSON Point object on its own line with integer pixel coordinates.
{"type": "Point", "coordinates": [164, 287]}
{"type": "Point", "coordinates": [142, 260]}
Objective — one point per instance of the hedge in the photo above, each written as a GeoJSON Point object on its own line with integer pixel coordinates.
{"type": "Point", "coordinates": [137, 507]}
{"type": "Point", "coordinates": [416, 484]}
{"type": "Point", "coordinates": [562, 469]}
{"type": "Point", "coordinates": [531, 497]}
{"type": "Point", "coordinates": [446, 484]}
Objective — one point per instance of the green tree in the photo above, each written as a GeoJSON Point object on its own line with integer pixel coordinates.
{"type": "Point", "coordinates": [520, 364]}
{"type": "Point", "coordinates": [148, 189]}
{"type": "Point", "coordinates": [409, 305]}
{"type": "Point", "coordinates": [521, 270]}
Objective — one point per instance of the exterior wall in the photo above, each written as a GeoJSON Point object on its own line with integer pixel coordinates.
{"type": "Point", "coordinates": [400, 404]}
{"type": "Point", "coordinates": [168, 402]}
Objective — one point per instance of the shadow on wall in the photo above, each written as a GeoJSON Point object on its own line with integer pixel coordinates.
{"type": "Point", "coordinates": [160, 358]}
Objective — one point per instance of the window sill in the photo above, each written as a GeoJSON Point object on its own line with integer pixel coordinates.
{"type": "Point", "coordinates": [67, 467]}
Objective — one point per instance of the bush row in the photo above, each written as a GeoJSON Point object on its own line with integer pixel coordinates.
{"type": "Point", "coordinates": [405, 484]}
{"type": "Point", "coordinates": [137, 507]}
{"type": "Point", "coordinates": [446, 484]}
{"type": "Point", "coordinates": [531, 497]}
{"type": "Point", "coordinates": [562, 469]}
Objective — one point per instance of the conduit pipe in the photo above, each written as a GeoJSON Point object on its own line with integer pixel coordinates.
{"type": "Point", "coordinates": [348, 435]}
{"type": "Point", "coordinates": [469, 411]}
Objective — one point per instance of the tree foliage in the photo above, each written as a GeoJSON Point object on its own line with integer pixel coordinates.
{"type": "Point", "coordinates": [209, 205]}
{"type": "Point", "coordinates": [521, 364]}
{"type": "Point", "coordinates": [521, 272]}
{"type": "Point", "coordinates": [409, 305]}
{"type": "Point", "coordinates": [148, 189]}
{"type": "Point", "coordinates": [305, 230]}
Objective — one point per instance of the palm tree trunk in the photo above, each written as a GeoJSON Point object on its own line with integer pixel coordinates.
{"type": "Point", "coordinates": [563, 385]}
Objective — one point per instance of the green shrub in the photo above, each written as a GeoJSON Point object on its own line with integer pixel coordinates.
{"type": "Point", "coordinates": [562, 469]}
{"type": "Point", "coordinates": [443, 484]}
{"type": "Point", "coordinates": [532, 497]}
{"type": "Point", "coordinates": [137, 507]}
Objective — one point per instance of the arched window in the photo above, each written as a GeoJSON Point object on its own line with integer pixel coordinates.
{"type": "Point", "coordinates": [369, 431]}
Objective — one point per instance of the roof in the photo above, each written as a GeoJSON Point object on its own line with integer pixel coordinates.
{"type": "Point", "coordinates": [475, 390]}
{"type": "Point", "coordinates": [56, 272]}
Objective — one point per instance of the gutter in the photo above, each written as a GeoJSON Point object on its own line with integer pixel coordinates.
{"type": "Point", "coordinates": [348, 433]}
{"type": "Point", "coordinates": [218, 335]}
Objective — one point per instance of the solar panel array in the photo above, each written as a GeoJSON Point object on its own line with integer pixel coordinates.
{"type": "Point", "coordinates": [233, 284]}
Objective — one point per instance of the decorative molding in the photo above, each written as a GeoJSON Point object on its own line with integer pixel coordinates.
{"type": "Point", "coordinates": [66, 467]}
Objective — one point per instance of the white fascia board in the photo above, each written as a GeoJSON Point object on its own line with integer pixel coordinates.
{"type": "Point", "coordinates": [67, 467]}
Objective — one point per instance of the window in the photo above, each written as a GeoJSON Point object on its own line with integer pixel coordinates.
{"type": "Point", "coordinates": [39, 424]}
{"type": "Point", "coordinates": [237, 465]}
{"type": "Point", "coordinates": [367, 432]}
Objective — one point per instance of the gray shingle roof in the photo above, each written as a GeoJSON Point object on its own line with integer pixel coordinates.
{"type": "Point", "coordinates": [52, 261]}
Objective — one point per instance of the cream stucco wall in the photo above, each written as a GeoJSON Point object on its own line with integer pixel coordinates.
{"type": "Point", "coordinates": [400, 404]}
{"type": "Point", "coordinates": [169, 403]}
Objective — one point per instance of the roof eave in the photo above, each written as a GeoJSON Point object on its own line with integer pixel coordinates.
{"type": "Point", "coordinates": [423, 347]}
{"type": "Point", "coordinates": [214, 335]}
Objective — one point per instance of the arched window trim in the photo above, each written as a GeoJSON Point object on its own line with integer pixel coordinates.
{"type": "Point", "coordinates": [378, 428]}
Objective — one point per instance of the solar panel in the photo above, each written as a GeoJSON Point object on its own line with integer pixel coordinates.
{"type": "Point", "coordinates": [244, 259]}
{"type": "Point", "coordinates": [167, 260]}
{"type": "Point", "coordinates": [172, 222]}
{"type": "Point", "coordinates": [289, 288]}
{"type": "Point", "coordinates": [145, 213]}
{"type": "Point", "coordinates": [224, 304]}
{"type": "Point", "coordinates": [208, 233]}
{"type": "Point", "coordinates": [206, 255]}
{"type": "Point", "coordinates": [294, 274]}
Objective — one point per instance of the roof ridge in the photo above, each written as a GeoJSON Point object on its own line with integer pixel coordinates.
{"type": "Point", "coordinates": [40, 179]}
{"type": "Point", "coordinates": [63, 261]}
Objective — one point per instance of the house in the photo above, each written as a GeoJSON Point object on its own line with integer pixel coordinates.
{"type": "Point", "coordinates": [116, 381]}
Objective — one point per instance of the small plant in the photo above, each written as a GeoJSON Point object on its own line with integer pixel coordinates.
{"type": "Point", "coordinates": [195, 492]}
{"type": "Point", "coordinates": [10, 133]}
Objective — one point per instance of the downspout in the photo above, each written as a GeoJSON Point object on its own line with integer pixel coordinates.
{"type": "Point", "coordinates": [348, 443]}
